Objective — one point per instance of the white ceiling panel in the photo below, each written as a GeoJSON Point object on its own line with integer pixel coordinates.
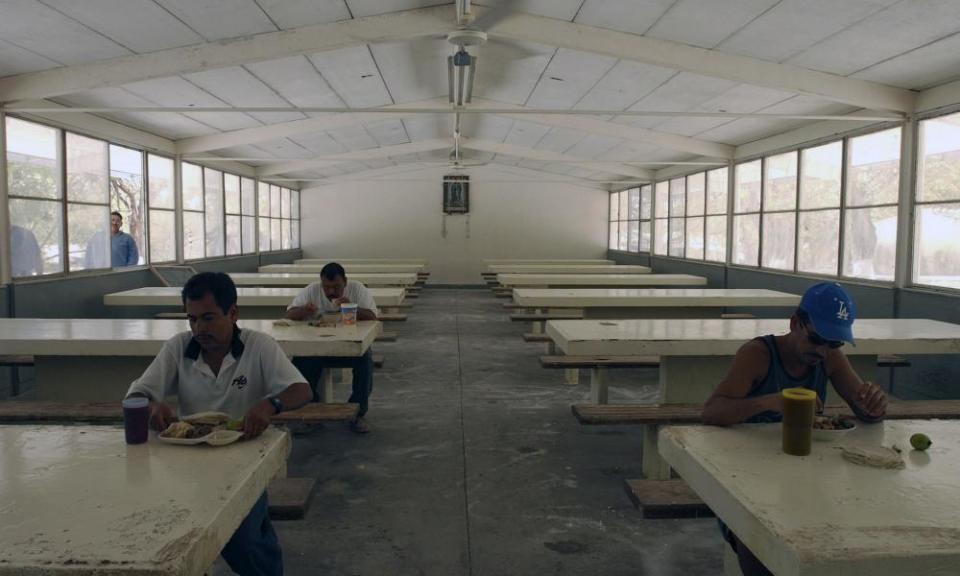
{"type": "Point", "coordinates": [635, 16]}
{"type": "Point", "coordinates": [682, 92]}
{"type": "Point", "coordinates": [568, 77]}
{"type": "Point", "coordinates": [378, 163]}
{"type": "Point", "coordinates": [559, 9]}
{"type": "Point", "coordinates": [297, 13]}
{"type": "Point", "coordinates": [794, 25]}
{"type": "Point", "coordinates": [802, 104]}
{"type": "Point", "coordinates": [296, 80]}
{"type": "Point", "coordinates": [237, 87]}
{"type": "Point", "coordinates": [219, 19]}
{"type": "Point", "coordinates": [388, 132]}
{"type": "Point", "coordinates": [414, 70]}
{"type": "Point", "coordinates": [706, 23]}
{"type": "Point", "coordinates": [353, 74]}
{"type": "Point", "coordinates": [557, 168]}
{"type": "Point", "coordinates": [423, 127]}
{"type": "Point", "coordinates": [526, 134]}
{"type": "Point", "coordinates": [923, 68]}
{"type": "Point", "coordinates": [630, 152]}
{"type": "Point", "coordinates": [748, 129]}
{"type": "Point", "coordinates": [140, 25]}
{"type": "Point", "coordinates": [353, 137]}
{"type": "Point", "coordinates": [165, 124]}
{"type": "Point", "coordinates": [245, 151]}
{"type": "Point", "coordinates": [505, 75]}
{"type": "Point", "coordinates": [594, 145]}
{"type": "Point", "coordinates": [902, 27]}
{"type": "Point", "coordinates": [624, 85]}
{"type": "Point", "coordinates": [532, 164]}
{"type": "Point", "coordinates": [486, 127]}
{"type": "Point", "coordinates": [743, 98]}
{"type": "Point", "coordinates": [285, 148]}
{"type": "Point", "coordinates": [320, 144]}
{"type": "Point", "coordinates": [560, 139]}
{"type": "Point", "coordinates": [361, 8]}
{"type": "Point", "coordinates": [44, 31]}
{"type": "Point", "coordinates": [178, 92]}
{"type": "Point", "coordinates": [17, 60]}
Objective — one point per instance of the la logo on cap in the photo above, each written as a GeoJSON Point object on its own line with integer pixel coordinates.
{"type": "Point", "coordinates": [842, 313]}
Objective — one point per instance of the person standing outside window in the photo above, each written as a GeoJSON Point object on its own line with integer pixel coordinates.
{"type": "Point", "coordinates": [123, 248]}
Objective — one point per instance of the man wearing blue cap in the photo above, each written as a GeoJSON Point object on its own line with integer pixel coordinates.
{"type": "Point", "coordinates": [806, 357]}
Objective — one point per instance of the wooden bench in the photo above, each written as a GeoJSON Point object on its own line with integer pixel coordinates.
{"type": "Point", "coordinates": [392, 317]}
{"type": "Point", "coordinates": [535, 337]}
{"type": "Point", "coordinates": [170, 316]}
{"type": "Point", "coordinates": [598, 366]}
{"type": "Point", "coordinates": [538, 319]}
{"type": "Point", "coordinates": [17, 360]}
{"type": "Point", "coordinates": [378, 360]}
{"type": "Point", "coordinates": [34, 412]}
{"type": "Point", "coordinates": [387, 337]}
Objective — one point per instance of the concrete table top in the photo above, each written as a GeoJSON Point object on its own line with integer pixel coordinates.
{"type": "Point", "coordinates": [545, 280]}
{"type": "Point", "coordinates": [135, 337]}
{"type": "Point", "coordinates": [350, 268]}
{"type": "Point", "coordinates": [346, 261]}
{"type": "Point", "coordinates": [77, 500]}
{"type": "Point", "coordinates": [246, 296]}
{"type": "Point", "coordinates": [567, 269]}
{"type": "Point", "coordinates": [588, 261]}
{"type": "Point", "coordinates": [650, 297]}
{"type": "Point", "coordinates": [719, 337]}
{"type": "Point", "coordinates": [280, 279]}
{"type": "Point", "coordinates": [820, 514]}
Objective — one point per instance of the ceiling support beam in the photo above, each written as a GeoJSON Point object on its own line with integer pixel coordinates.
{"type": "Point", "coordinates": [354, 156]}
{"type": "Point", "coordinates": [547, 156]}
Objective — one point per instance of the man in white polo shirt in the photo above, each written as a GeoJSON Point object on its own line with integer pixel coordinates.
{"type": "Point", "coordinates": [325, 297]}
{"type": "Point", "coordinates": [216, 366]}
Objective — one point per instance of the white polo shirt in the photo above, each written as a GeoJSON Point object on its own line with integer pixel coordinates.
{"type": "Point", "coordinates": [355, 291]}
{"type": "Point", "coordinates": [255, 368]}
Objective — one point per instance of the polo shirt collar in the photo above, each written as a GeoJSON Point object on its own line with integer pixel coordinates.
{"type": "Point", "coordinates": [236, 346]}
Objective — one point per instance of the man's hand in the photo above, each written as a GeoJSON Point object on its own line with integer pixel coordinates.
{"type": "Point", "coordinates": [341, 300]}
{"type": "Point", "coordinates": [872, 401]}
{"type": "Point", "coordinates": [161, 416]}
{"type": "Point", "coordinates": [310, 309]}
{"type": "Point", "coordinates": [257, 419]}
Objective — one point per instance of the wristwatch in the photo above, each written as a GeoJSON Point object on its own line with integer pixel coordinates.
{"type": "Point", "coordinates": [277, 404]}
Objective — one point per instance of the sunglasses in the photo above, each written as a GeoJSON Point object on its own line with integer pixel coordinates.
{"type": "Point", "coordinates": [818, 340]}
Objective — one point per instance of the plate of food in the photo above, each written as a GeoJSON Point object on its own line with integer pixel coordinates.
{"type": "Point", "coordinates": [827, 428]}
{"type": "Point", "coordinates": [213, 428]}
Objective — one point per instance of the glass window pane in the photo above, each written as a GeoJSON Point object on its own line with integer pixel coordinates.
{"type": "Point", "coordinates": [274, 202]}
{"type": "Point", "coordinates": [819, 240]}
{"type": "Point", "coordinates": [624, 205]}
{"type": "Point", "coordinates": [126, 197]}
{"type": "Point", "coordinates": [634, 244]}
{"type": "Point", "coordinates": [295, 233]}
{"type": "Point", "coordinates": [192, 181]}
{"type": "Point", "coordinates": [263, 236]}
{"type": "Point", "coordinates": [614, 207]}
{"type": "Point", "coordinates": [820, 174]}
{"type": "Point", "coordinates": [295, 204]}
{"type": "Point", "coordinates": [677, 234]}
{"type": "Point", "coordinates": [36, 228]}
{"type": "Point", "coordinates": [88, 236]}
{"type": "Point", "coordinates": [717, 191]}
{"type": "Point", "coordinates": [694, 248]}
{"type": "Point", "coordinates": [746, 240]}
{"type": "Point", "coordinates": [662, 238]}
{"type": "Point", "coordinates": [661, 199]}
{"type": "Point", "coordinates": [213, 208]}
{"type": "Point", "coordinates": [696, 189]}
{"type": "Point", "coordinates": [285, 234]}
{"type": "Point", "coordinates": [870, 239]}
{"type": "Point", "coordinates": [614, 238]}
{"type": "Point", "coordinates": [939, 171]}
{"type": "Point", "coordinates": [248, 201]}
{"type": "Point", "coordinates": [634, 202]}
{"type": "Point", "coordinates": [33, 160]}
{"type": "Point", "coordinates": [716, 238]}
{"type": "Point", "coordinates": [263, 195]}
{"type": "Point", "coordinates": [678, 197]}
{"type": "Point", "coordinates": [249, 232]}
{"type": "Point", "coordinates": [623, 237]}
{"type": "Point", "coordinates": [163, 234]}
{"type": "Point", "coordinates": [645, 236]}
{"type": "Point", "coordinates": [779, 236]}
{"type": "Point", "coordinates": [161, 182]}
{"type": "Point", "coordinates": [780, 183]}
{"type": "Point", "coordinates": [874, 173]}
{"type": "Point", "coordinates": [86, 170]}
{"type": "Point", "coordinates": [193, 241]}
{"type": "Point", "coordinates": [233, 235]}
{"type": "Point", "coordinates": [937, 253]}
{"type": "Point", "coordinates": [275, 241]}
{"type": "Point", "coordinates": [746, 188]}
{"type": "Point", "coordinates": [231, 194]}
{"type": "Point", "coordinates": [646, 201]}
{"type": "Point", "coordinates": [285, 202]}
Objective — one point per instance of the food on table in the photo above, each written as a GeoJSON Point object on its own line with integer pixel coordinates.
{"type": "Point", "coordinates": [832, 423]}
{"type": "Point", "coordinates": [920, 442]}
{"type": "Point", "coordinates": [874, 457]}
{"type": "Point", "coordinates": [200, 425]}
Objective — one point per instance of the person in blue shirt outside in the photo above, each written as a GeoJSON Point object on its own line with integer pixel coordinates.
{"type": "Point", "coordinates": [806, 357]}
{"type": "Point", "coordinates": [123, 248]}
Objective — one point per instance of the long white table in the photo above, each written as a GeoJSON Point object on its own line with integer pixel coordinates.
{"type": "Point", "coordinates": [556, 261]}
{"type": "Point", "coordinates": [280, 279]}
{"type": "Point", "coordinates": [566, 269]}
{"type": "Point", "coordinates": [254, 302]}
{"type": "Point", "coordinates": [346, 261]}
{"type": "Point", "coordinates": [349, 268]}
{"type": "Point", "coordinates": [94, 360]}
{"type": "Point", "coordinates": [77, 500]}
{"type": "Point", "coordinates": [696, 354]}
{"type": "Point", "coordinates": [822, 515]}
{"type": "Point", "coordinates": [597, 280]}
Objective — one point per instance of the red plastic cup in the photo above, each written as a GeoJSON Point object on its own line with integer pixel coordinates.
{"type": "Point", "coordinates": [136, 419]}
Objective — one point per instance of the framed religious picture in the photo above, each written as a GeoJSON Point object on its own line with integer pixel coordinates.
{"type": "Point", "coordinates": [456, 194]}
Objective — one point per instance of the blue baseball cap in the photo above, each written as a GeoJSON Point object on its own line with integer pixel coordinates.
{"type": "Point", "coordinates": [831, 311]}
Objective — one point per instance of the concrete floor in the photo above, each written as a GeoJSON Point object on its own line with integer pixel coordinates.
{"type": "Point", "coordinates": [476, 466]}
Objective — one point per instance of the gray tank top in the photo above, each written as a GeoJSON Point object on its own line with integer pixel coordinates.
{"type": "Point", "coordinates": [777, 379]}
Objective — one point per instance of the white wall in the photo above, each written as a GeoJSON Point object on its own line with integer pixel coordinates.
{"type": "Point", "coordinates": [405, 219]}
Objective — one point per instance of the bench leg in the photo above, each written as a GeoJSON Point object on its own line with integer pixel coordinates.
{"type": "Point", "coordinates": [346, 375]}
{"type": "Point", "coordinates": [571, 376]}
{"type": "Point", "coordinates": [598, 385]}
{"type": "Point", "coordinates": [326, 386]}
{"type": "Point", "coordinates": [550, 348]}
{"type": "Point", "coordinates": [654, 467]}
{"type": "Point", "coordinates": [537, 327]}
